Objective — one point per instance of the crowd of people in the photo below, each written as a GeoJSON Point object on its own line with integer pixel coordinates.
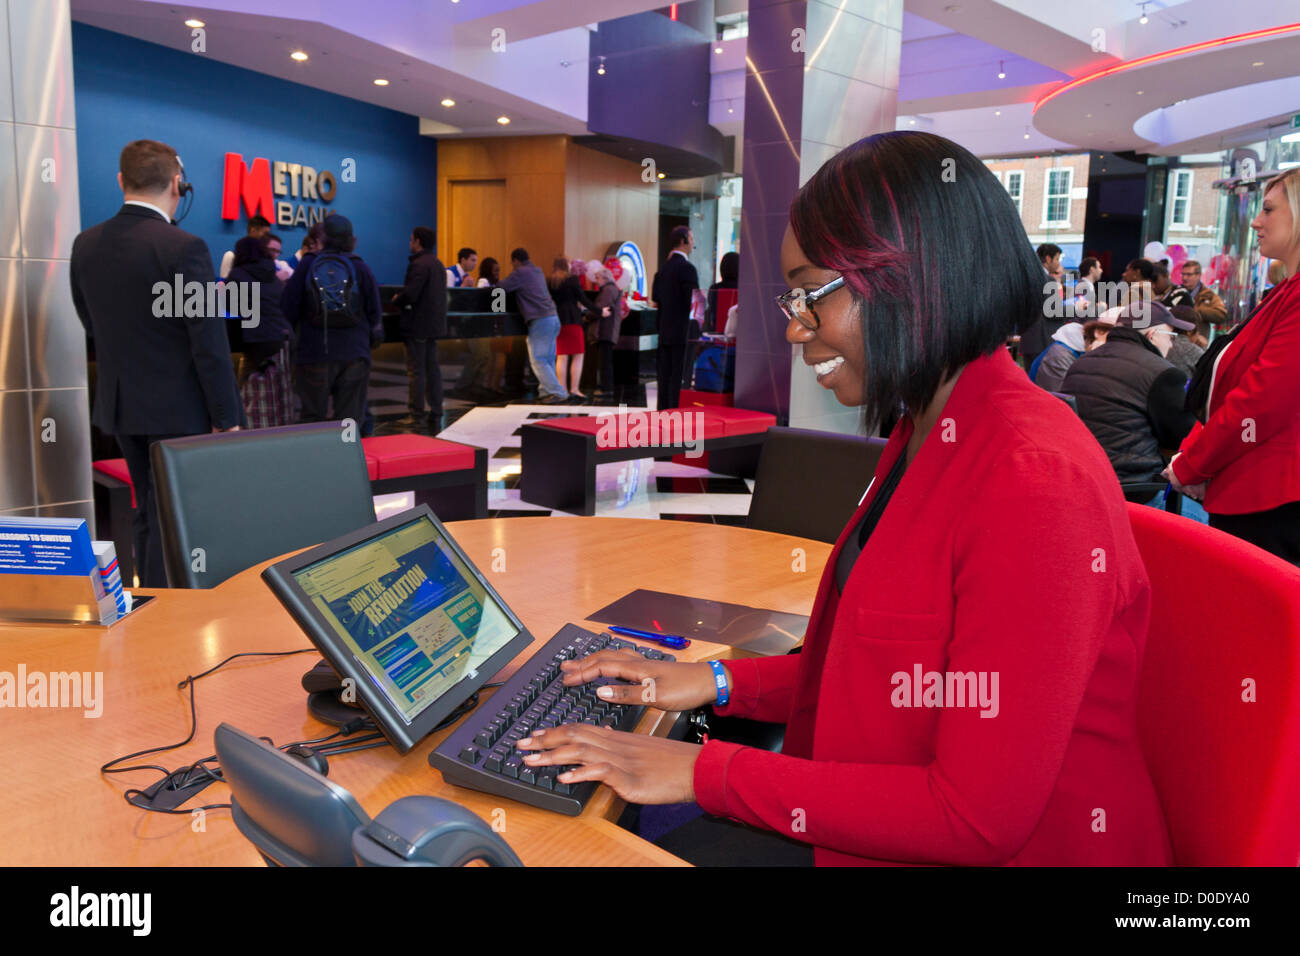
{"type": "Point", "coordinates": [1213, 417]}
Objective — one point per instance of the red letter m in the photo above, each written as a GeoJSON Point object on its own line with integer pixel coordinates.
{"type": "Point", "coordinates": [253, 185]}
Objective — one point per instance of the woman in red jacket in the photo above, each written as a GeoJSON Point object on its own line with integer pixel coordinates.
{"type": "Point", "coordinates": [931, 718]}
{"type": "Point", "coordinates": [1244, 460]}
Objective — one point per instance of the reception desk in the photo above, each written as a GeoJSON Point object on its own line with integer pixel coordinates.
{"type": "Point", "coordinates": [62, 810]}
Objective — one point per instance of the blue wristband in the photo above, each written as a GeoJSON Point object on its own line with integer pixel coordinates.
{"type": "Point", "coordinates": [720, 681]}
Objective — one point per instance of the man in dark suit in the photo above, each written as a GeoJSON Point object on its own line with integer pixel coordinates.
{"type": "Point", "coordinates": [161, 371]}
{"type": "Point", "coordinates": [423, 322]}
{"type": "Point", "coordinates": [674, 285]}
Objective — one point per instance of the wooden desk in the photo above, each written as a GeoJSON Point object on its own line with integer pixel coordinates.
{"type": "Point", "coordinates": [61, 810]}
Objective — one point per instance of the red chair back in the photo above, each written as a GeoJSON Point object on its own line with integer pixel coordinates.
{"type": "Point", "coordinates": [1225, 628]}
{"type": "Point", "coordinates": [726, 299]}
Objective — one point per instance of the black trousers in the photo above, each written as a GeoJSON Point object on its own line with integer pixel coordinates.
{"type": "Point", "coordinates": [1277, 530]}
{"type": "Point", "coordinates": [344, 382]}
{"type": "Point", "coordinates": [145, 534]}
{"type": "Point", "coordinates": [426, 377]}
{"type": "Point", "coordinates": [714, 841]}
{"type": "Point", "coordinates": [670, 361]}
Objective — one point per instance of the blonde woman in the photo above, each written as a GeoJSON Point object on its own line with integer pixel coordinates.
{"type": "Point", "coordinates": [1243, 459]}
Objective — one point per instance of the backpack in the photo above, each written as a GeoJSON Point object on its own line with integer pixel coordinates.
{"type": "Point", "coordinates": [715, 369]}
{"type": "Point", "coordinates": [332, 290]}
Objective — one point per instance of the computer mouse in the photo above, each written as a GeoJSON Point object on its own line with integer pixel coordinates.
{"type": "Point", "coordinates": [311, 758]}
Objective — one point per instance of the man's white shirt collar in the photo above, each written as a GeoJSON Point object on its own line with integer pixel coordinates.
{"type": "Point", "coordinates": [147, 205]}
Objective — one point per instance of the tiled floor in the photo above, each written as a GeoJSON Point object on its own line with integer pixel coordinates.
{"type": "Point", "coordinates": [632, 489]}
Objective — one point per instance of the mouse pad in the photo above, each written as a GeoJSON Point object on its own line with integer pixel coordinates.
{"type": "Point", "coordinates": [753, 629]}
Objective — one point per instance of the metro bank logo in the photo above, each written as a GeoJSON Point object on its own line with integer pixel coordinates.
{"type": "Point", "coordinates": [259, 184]}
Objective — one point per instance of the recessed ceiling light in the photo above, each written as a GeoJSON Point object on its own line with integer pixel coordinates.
{"type": "Point", "coordinates": [1258, 63]}
{"type": "Point", "coordinates": [911, 122]}
{"type": "Point", "coordinates": [1140, 92]}
{"type": "Point", "coordinates": [195, 24]}
{"type": "Point", "coordinates": [717, 49]}
{"type": "Point", "coordinates": [661, 175]}
{"type": "Point", "coordinates": [503, 120]}
{"type": "Point", "coordinates": [1087, 115]}
{"type": "Point", "coordinates": [449, 103]}
{"type": "Point", "coordinates": [381, 82]}
{"type": "Point", "coordinates": [997, 112]}
{"type": "Point", "coordinates": [298, 55]}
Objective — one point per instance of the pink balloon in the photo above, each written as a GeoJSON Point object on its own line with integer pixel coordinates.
{"type": "Point", "coordinates": [1177, 256]}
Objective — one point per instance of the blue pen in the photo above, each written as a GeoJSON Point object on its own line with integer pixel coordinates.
{"type": "Point", "coordinates": [667, 640]}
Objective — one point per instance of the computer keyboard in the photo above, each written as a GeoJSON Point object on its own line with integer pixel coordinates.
{"type": "Point", "coordinates": [480, 754]}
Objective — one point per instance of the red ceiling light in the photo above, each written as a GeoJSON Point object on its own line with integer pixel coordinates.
{"type": "Point", "coordinates": [672, 11]}
{"type": "Point", "coordinates": [1168, 55]}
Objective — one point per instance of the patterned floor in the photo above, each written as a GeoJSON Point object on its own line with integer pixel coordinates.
{"type": "Point", "coordinates": [632, 489]}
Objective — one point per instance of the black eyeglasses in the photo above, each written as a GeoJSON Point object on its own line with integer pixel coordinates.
{"type": "Point", "coordinates": [798, 304]}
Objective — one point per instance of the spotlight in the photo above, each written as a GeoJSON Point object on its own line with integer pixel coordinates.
{"type": "Point", "coordinates": [503, 120]}
{"type": "Point", "coordinates": [449, 103]}
{"type": "Point", "coordinates": [298, 55]}
{"type": "Point", "coordinates": [195, 24]}
{"type": "Point", "coordinates": [381, 82]}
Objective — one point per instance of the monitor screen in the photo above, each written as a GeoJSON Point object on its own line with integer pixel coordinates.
{"type": "Point", "coordinates": [409, 611]}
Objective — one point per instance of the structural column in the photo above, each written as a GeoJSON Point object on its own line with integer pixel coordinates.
{"type": "Point", "coordinates": [44, 408]}
{"type": "Point", "coordinates": [819, 77]}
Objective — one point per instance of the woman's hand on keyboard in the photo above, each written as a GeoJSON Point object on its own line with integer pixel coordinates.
{"type": "Point", "coordinates": [667, 685]}
{"type": "Point", "coordinates": [641, 768]}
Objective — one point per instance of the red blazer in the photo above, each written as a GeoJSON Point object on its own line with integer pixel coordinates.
{"type": "Point", "coordinates": [1249, 448]}
{"type": "Point", "coordinates": [1006, 550]}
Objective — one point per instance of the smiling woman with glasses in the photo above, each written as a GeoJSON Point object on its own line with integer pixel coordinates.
{"type": "Point", "coordinates": [966, 691]}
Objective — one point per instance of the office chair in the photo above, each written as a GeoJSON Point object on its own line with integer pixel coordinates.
{"type": "Point", "coordinates": [1219, 695]}
{"type": "Point", "coordinates": [809, 483]}
{"type": "Point", "coordinates": [294, 816]}
{"type": "Point", "coordinates": [1140, 492]}
{"type": "Point", "coordinates": [229, 500]}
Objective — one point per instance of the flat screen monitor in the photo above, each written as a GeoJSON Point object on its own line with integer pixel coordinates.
{"type": "Point", "coordinates": [402, 611]}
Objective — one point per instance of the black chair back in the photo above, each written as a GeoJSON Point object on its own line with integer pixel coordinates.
{"type": "Point", "coordinates": [809, 483]}
{"type": "Point", "coordinates": [230, 500]}
{"type": "Point", "coordinates": [1140, 492]}
{"type": "Point", "coordinates": [289, 812]}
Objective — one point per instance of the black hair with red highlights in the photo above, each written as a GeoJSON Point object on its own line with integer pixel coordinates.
{"type": "Point", "coordinates": [906, 218]}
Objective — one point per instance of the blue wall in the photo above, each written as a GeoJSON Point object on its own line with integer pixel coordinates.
{"type": "Point", "coordinates": [128, 89]}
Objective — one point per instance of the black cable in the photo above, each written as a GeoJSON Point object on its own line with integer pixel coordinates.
{"type": "Point", "coordinates": [182, 778]}
{"type": "Point", "coordinates": [194, 773]}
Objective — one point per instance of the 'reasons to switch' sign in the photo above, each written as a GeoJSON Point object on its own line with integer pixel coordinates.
{"type": "Point", "coordinates": [259, 185]}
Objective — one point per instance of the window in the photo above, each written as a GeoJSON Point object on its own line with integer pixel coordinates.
{"type": "Point", "coordinates": [1180, 207]}
{"type": "Point", "coordinates": [1015, 183]}
{"type": "Point", "coordinates": [1056, 197]}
